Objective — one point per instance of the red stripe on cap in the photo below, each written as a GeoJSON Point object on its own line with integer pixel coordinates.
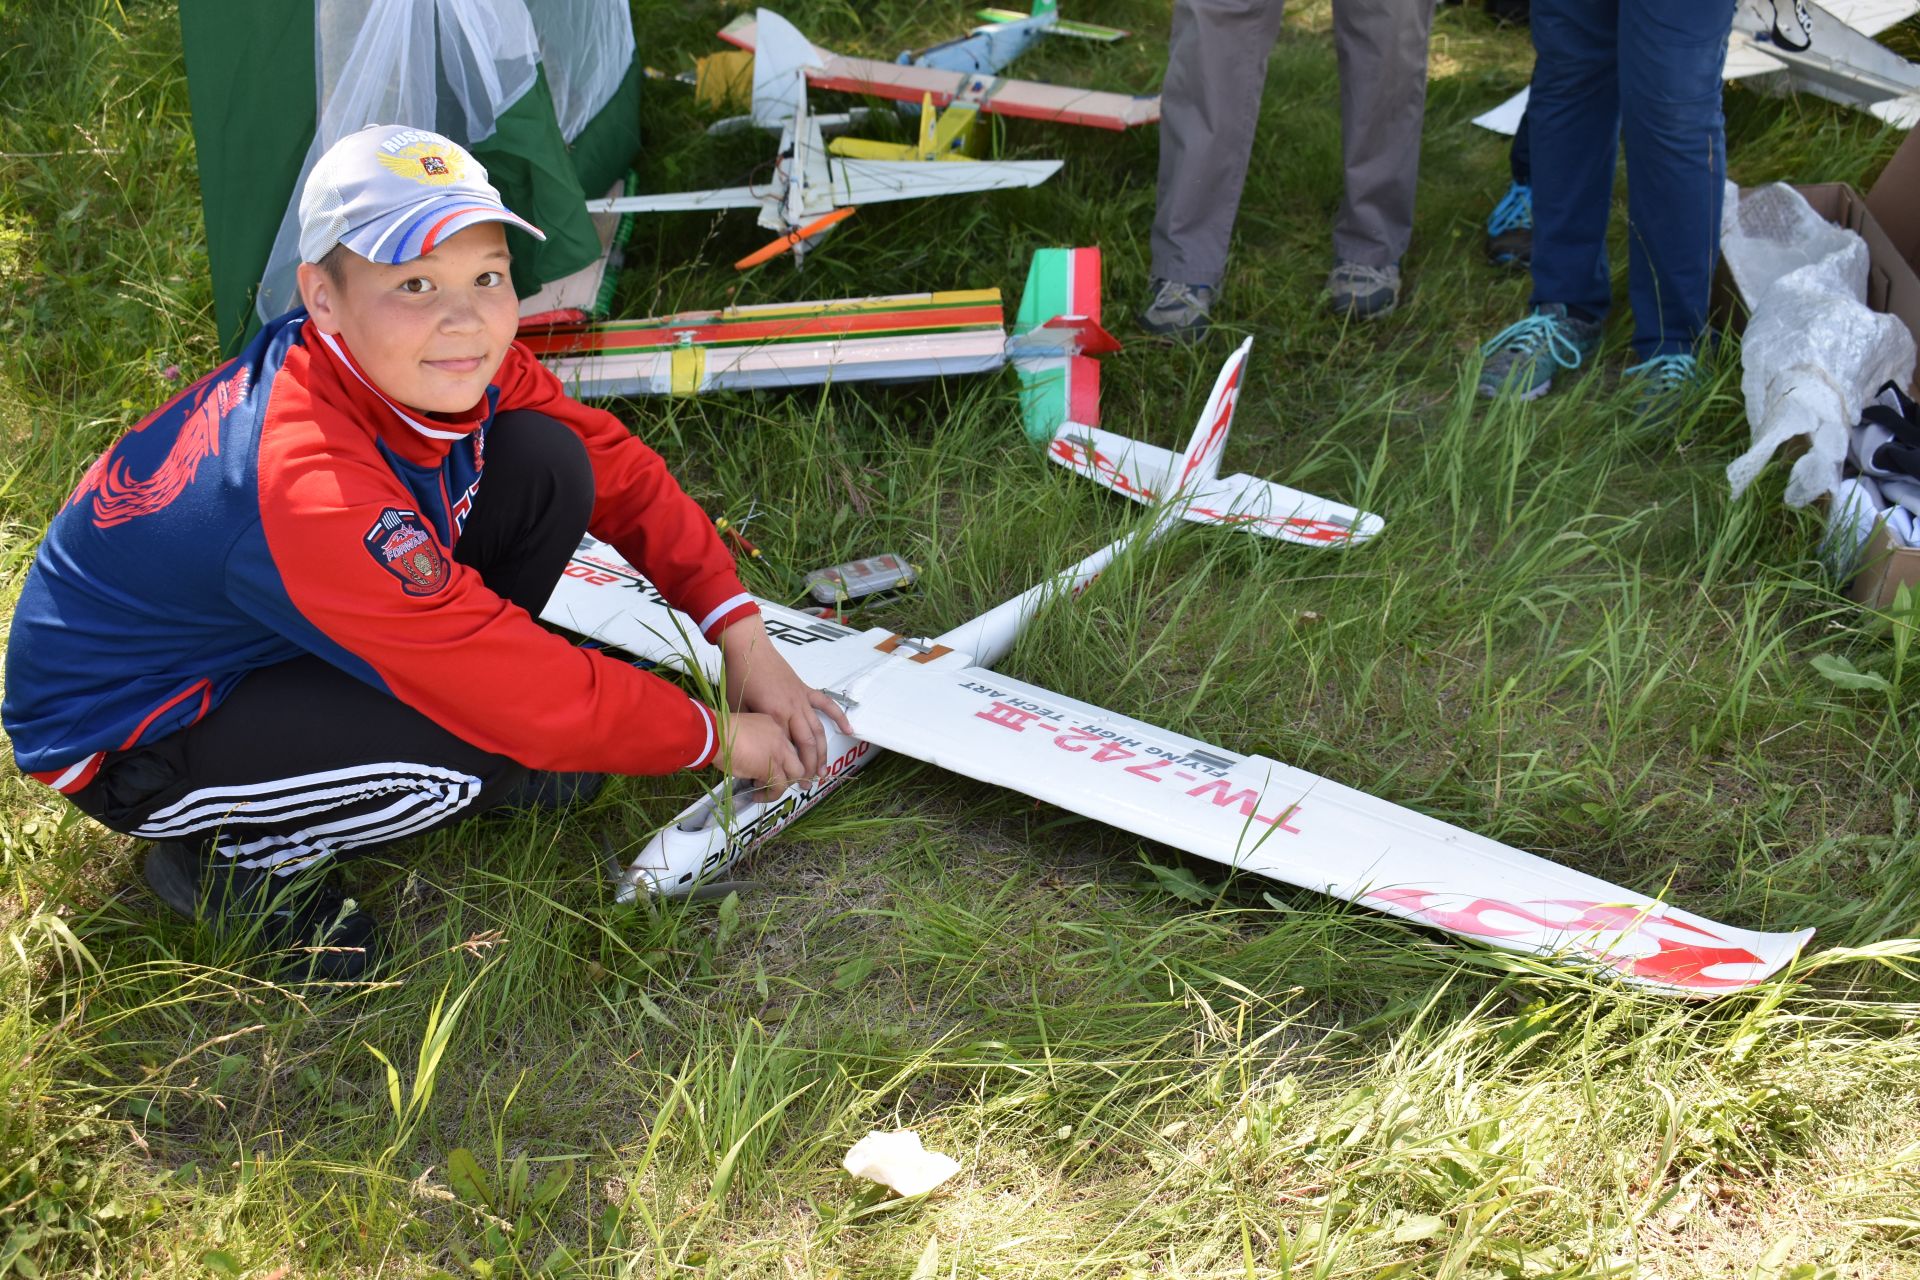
{"type": "Point", "coordinates": [433, 232]}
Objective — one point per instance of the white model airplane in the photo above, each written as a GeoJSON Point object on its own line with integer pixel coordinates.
{"type": "Point", "coordinates": [812, 190]}
{"type": "Point", "coordinates": [947, 80]}
{"type": "Point", "coordinates": [940, 701]}
{"type": "Point", "coordinates": [1825, 49]}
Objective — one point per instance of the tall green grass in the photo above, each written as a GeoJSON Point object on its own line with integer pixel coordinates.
{"type": "Point", "coordinates": [1568, 638]}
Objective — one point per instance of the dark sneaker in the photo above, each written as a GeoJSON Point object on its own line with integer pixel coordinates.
{"type": "Point", "coordinates": [1521, 358]}
{"type": "Point", "coordinates": [289, 911]}
{"type": "Point", "coordinates": [1362, 291]}
{"type": "Point", "coordinates": [1178, 311]}
{"type": "Point", "coordinates": [1663, 385]}
{"type": "Point", "coordinates": [1510, 228]}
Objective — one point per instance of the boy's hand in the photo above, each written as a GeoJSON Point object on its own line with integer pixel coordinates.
{"type": "Point", "coordinates": [757, 747]}
{"type": "Point", "coordinates": [759, 680]}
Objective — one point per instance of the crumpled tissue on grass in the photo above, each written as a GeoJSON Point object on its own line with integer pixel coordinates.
{"type": "Point", "coordinates": [1814, 354]}
{"type": "Point", "coordinates": [897, 1160]}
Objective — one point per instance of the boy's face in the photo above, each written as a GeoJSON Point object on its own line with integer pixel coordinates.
{"type": "Point", "coordinates": [430, 333]}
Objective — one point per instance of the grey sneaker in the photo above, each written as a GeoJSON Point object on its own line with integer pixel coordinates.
{"type": "Point", "coordinates": [1354, 289]}
{"type": "Point", "coordinates": [1178, 311]}
{"type": "Point", "coordinates": [1522, 358]}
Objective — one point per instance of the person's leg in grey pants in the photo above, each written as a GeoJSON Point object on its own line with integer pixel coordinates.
{"type": "Point", "coordinates": [1210, 108]}
{"type": "Point", "coordinates": [1382, 46]}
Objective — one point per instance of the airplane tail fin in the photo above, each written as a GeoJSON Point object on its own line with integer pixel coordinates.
{"type": "Point", "coordinates": [1041, 8]}
{"type": "Point", "coordinates": [1056, 334]}
{"type": "Point", "coordinates": [780, 60]}
{"type": "Point", "coordinates": [1200, 462]}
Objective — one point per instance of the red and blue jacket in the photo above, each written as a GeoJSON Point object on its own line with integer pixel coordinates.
{"type": "Point", "coordinates": [283, 505]}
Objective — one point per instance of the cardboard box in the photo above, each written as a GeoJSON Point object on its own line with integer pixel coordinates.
{"type": "Point", "coordinates": [1888, 219]}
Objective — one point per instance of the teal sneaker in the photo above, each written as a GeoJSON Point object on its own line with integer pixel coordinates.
{"type": "Point", "coordinates": [1663, 385]}
{"type": "Point", "coordinates": [1510, 228]}
{"type": "Point", "coordinates": [1522, 358]}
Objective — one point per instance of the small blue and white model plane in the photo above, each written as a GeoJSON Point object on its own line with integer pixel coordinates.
{"type": "Point", "coordinates": [812, 190]}
{"type": "Point", "coordinates": [939, 700]}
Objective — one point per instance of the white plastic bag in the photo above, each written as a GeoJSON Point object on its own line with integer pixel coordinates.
{"type": "Point", "coordinates": [1814, 354]}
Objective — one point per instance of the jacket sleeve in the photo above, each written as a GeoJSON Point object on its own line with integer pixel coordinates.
{"type": "Point", "coordinates": [343, 565]}
{"type": "Point", "coordinates": [638, 506]}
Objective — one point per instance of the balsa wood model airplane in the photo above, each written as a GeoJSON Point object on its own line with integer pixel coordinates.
{"type": "Point", "coordinates": [1055, 336]}
{"type": "Point", "coordinates": [964, 72]}
{"type": "Point", "coordinates": [811, 190]}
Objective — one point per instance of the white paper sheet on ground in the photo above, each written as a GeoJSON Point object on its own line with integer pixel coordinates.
{"type": "Point", "coordinates": [1505, 118]}
{"type": "Point", "coordinates": [899, 1161]}
{"type": "Point", "coordinates": [1266, 817]}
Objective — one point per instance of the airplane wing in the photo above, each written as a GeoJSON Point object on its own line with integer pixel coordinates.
{"type": "Point", "coordinates": [999, 95]}
{"type": "Point", "coordinates": [1259, 815]}
{"type": "Point", "coordinates": [681, 201]}
{"type": "Point", "coordinates": [601, 595]}
{"type": "Point", "coordinates": [858, 182]}
{"type": "Point", "coordinates": [1143, 472]}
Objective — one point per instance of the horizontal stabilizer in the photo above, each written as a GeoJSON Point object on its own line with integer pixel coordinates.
{"type": "Point", "coordinates": [1059, 27]}
{"type": "Point", "coordinates": [1144, 473]}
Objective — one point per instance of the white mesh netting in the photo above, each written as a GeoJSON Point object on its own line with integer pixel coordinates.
{"type": "Point", "coordinates": [389, 62]}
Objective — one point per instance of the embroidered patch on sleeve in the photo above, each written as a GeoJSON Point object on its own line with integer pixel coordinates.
{"type": "Point", "coordinates": [401, 543]}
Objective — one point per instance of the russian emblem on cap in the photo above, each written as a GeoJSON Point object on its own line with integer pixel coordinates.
{"type": "Point", "coordinates": [425, 163]}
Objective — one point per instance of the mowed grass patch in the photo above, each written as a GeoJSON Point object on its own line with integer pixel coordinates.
{"type": "Point", "coordinates": [1568, 639]}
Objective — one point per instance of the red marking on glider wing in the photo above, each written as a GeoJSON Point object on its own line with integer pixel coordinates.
{"type": "Point", "coordinates": [1299, 527]}
{"type": "Point", "coordinates": [1678, 962]}
{"type": "Point", "coordinates": [1084, 457]}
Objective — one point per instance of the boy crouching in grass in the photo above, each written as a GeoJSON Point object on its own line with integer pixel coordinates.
{"type": "Point", "coordinates": [290, 614]}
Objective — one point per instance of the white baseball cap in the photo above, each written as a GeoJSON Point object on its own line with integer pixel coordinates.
{"type": "Point", "coordinates": [390, 193]}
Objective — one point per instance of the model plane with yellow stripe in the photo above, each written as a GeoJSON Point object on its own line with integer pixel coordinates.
{"type": "Point", "coordinates": [1055, 336]}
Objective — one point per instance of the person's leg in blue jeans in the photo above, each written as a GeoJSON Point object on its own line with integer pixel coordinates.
{"type": "Point", "coordinates": [1675, 136]}
{"type": "Point", "coordinates": [1575, 126]}
{"type": "Point", "coordinates": [1573, 131]}
{"type": "Point", "coordinates": [1519, 158]}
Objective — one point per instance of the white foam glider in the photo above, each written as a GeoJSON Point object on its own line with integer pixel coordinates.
{"type": "Point", "coordinates": [940, 701]}
{"type": "Point", "coordinates": [812, 190]}
{"type": "Point", "coordinates": [1833, 56]}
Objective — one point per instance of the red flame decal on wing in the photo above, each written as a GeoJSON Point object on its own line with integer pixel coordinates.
{"type": "Point", "coordinates": [1677, 962]}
